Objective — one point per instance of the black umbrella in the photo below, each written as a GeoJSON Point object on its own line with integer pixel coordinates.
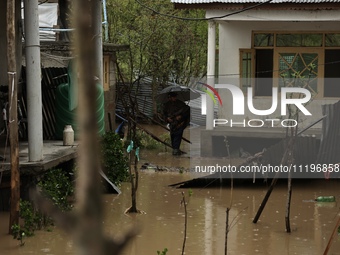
{"type": "Point", "coordinates": [183, 93]}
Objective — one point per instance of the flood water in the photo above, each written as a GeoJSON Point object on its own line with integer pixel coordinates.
{"type": "Point", "coordinates": [162, 224]}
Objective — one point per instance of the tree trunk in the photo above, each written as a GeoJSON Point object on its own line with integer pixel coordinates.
{"type": "Point", "coordinates": [133, 208]}
{"type": "Point", "coordinates": [134, 175]}
{"type": "Point", "coordinates": [85, 223]}
{"type": "Point", "coordinates": [89, 235]}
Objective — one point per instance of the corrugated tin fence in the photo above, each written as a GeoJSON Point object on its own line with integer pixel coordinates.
{"type": "Point", "coordinates": [51, 78]}
{"type": "Point", "coordinates": [143, 97]}
{"type": "Point", "coordinates": [142, 93]}
{"type": "Point", "coordinates": [305, 151]}
{"type": "Point", "coordinates": [329, 152]}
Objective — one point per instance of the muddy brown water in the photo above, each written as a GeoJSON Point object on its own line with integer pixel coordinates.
{"type": "Point", "coordinates": [162, 225]}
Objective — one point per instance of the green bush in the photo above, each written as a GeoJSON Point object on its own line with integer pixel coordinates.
{"type": "Point", "coordinates": [32, 219]}
{"type": "Point", "coordinates": [114, 161]}
{"type": "Point", "coordinates": [18, 234]}
{"type": "Point", "coordinates": [58, 186]}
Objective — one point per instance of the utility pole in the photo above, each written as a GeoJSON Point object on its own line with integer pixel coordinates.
{"type": "Point", "coordinates": [98, 40]}
{"type": "Point", "coordinates": [13, 119]}
{"type": "Point", "coordinates": [33, 81]}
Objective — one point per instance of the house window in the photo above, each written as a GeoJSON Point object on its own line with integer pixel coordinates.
{"type": "Point", "coordinates": [246, 68]}
{"type": "Point", "coordinates": [299, 40]}
{"type": "Point", "coordinates": [332, 70]}
{"type": "Point", "coordinates": [217, 54]}
{"type": "Point", "coordinates": [264, 72]}
{"type": "Point", "coordinates": [299, 69]}
{"type": "Point", "coordinates": [332, 40]}
{"type": "Point", "coordinates": [278, 58]}
{"type": "Point", "coordinates": [264, 40]}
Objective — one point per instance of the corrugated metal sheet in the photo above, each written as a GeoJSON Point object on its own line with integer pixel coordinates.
{"type": "Point", "coordinates": [252, 1]}
{"type": "Point", "coordinates": [143, 97]}
{"type": "Point", "coordinates": [196, 115]}
{"type": "Point", "coordinates": [51, 78]}
{"type": "Point", "coordinates": [145, 105]}
{"type": "Point", "coordinates": [330, 139]}
{"type": "Point", "coordinates": [305, 151]}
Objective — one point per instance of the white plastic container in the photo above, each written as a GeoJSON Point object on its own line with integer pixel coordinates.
{"type": "Point", "coordinates": [68, 135]}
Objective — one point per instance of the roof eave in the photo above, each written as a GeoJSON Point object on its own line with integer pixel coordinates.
{"type": "Point", "coordinates": [268, 6]}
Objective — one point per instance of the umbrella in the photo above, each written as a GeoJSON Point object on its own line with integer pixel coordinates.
{"type": "Point", "coordinates": [183, 93]}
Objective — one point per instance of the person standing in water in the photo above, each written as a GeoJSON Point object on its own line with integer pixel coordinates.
{"type": "Point", "coordinates": [177, 114]}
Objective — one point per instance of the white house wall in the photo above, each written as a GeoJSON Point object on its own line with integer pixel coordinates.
{"type": "Point", "coordinates": [234, 35]}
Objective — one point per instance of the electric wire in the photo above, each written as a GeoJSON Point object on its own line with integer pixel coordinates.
{"type": "Point", "coordinates": [202, 19]}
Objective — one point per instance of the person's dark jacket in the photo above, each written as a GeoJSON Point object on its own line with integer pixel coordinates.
{"type": "Point", "coordinates": [178, 112]}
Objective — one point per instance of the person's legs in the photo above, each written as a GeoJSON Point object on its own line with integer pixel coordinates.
{"type": "Point", "coordinates": [176, 140]}
{"type": "Point", "coordinates": [172, 137]}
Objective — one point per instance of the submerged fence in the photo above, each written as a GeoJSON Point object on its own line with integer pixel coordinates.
{"type": "Point", "coordinates": [329, 151]}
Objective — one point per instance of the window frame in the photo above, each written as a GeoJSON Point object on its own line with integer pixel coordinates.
{"type": "Point", "coordinates": [321, 58]}
{"type": "Point", "coordinates": [320, 50]}
{"type": "Point", "coordinates": [252, 67]}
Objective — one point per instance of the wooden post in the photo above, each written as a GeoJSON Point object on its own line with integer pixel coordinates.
{"type": "Point", "coordinates": [332, 237]}
{"type": "Point", "coordinates": [266, 197]}
{"type": "Point", "coordinates": [289, 197]}
{"type": "Point", "coordinates": [185, 221]}
{"type": "Point", "coordinates": [291, 160]}
{"type": "Point", "coordinates": [273, 183]}
{"type": "Point", "coordinates": [13, 122]}
{"type": "Point", "coordinates": [226, 232]}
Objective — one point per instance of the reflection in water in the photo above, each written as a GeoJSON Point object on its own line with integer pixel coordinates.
{"type": "Point", "coordinates": [163, 224]}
